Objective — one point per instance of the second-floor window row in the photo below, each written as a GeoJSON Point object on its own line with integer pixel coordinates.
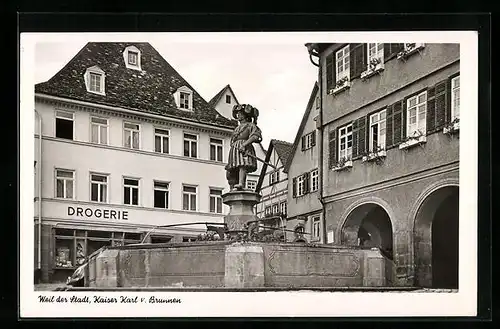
{"type": "Point", "coordinates": [305, 183]}
{"type": "Point", "coordinates": [408, 120]}
{"type": "Point", "coordinates": [132, 136]}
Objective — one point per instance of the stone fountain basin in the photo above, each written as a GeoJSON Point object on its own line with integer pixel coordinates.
{"type": "Point", "coordinates": [214, 264]}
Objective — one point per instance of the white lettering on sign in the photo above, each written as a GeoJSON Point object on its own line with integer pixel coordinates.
{"type": "Point", "coordinates": [97, 213]}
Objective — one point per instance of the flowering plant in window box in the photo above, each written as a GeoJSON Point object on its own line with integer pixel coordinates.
{"type": "Point", "coordinates": [417, 138]}
{"type": "Point", "coordinates": [342, 164]}
{"type": "Point", "coordinates": [452, 127]}
{"type": "Point", "coordinates": [409, 49]}
{"type": "Point", "coordinates": [341, 85]}
{"type": "Point", "coordinates": [374, 66]}
{"type": "Point", "coordinates": [376, 155]}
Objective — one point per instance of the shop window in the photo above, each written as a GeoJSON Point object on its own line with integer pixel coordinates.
{"type": "Point", "coordinates": [64, 253]}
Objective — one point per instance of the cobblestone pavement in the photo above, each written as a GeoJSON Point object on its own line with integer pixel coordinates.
{"type": "Point", "coordinates": [48, 286]}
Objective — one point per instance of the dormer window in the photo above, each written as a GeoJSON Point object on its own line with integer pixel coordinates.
{"type": "Point", "coordinates": [132, 58]}
{"type": "Point", "coordinates": [94, 80]}
{"type": "Point", "coordinates": [184, 98]}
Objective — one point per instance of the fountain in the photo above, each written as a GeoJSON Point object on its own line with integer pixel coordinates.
{"type": "Point", "coordinates": [234, 255]}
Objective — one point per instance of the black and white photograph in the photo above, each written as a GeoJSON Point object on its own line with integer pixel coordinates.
{"type": "Point", "coordinates": [248, 174]}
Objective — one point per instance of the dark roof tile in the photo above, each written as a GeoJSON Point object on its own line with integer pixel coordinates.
{"type": "Point", "coordinates": [150, 90]}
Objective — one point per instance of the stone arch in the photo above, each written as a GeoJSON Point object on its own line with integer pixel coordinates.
{"type": "Point", "coordinates": [434, 247]}
{"type": "Point", "coordinates": [368, 222]}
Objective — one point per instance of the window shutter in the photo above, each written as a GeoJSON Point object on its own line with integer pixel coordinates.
{"type": "Point", "coordinates": [358, 54]}
{"type": "Point", "coordinates": [399, 125]}
{"type": "Point", "coordinates": [332, 148]}
{"type": "Point", "coordinates": [330, 71]}
{"type": "Point", "coordinates": [303, 141]}
{"type": "Point", "coordinates": [443, 110]}
{"type": "Point", "coordinates": [306, 183]}
{"type": "Point", "coordinates": [389, 140]}
{"type": "Point", "coordinates": [358, 137]}
{"type": "Point", "coordinates": [391, 48]}
{"type": "Point", "coordinates": [431, 110]}
{"type": "Point", "coordinates": [294, 187]}
{"type": "Point", "coordinates": [313, 138]}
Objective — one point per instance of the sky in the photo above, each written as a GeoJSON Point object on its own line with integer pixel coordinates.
{"type": "Point", "coordinates": [275, 77]}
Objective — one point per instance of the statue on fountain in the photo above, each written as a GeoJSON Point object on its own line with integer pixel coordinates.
{"type": "Point", "coordinates": [242, 159]}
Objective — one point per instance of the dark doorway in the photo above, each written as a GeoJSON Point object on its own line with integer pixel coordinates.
{"type": "Point", "coordinates": [436, 240]}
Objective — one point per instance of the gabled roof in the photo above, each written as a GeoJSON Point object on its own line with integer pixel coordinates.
{"type": "Point", "coordinates": [296, 142]}
{"type": "Point", "coordinates": [150, 90]}
{"type": "Point", "coordinates": [218, 96]}
{"type": "Point", "coordinates": [283, 150]}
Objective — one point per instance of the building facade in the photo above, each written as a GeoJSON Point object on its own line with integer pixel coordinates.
{"type": "Point", "coordinates": [390, 171]}
{"type": "Point", "coordinates": [305, 211]}
{"type": "Point", "coordinates": [124, 145]}
{"type": "Point", "coordinates": [273, 185]}
{"type": "Point", "coordinates": [223, 102]}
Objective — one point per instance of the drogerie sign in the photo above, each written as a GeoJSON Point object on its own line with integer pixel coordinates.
{"type": "Point", "coordinates": [97, 213]}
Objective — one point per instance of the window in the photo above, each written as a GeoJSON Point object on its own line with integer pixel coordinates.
{"type": "Point", "coordinates": [251, 184]}
{"type": "Point", "coordinates": [94, 79]}
{"type": "Point", "coordinates": [342, 63]}
{"type": "Point", "coordinates": [161, 195]}
{"type": "Point", "coordinates": [375, 52]}
{"type": "Point", "coordinates": [99, 130]}
{"type": "Point", "coordinates": [268, 211]}
{"type": "Point", "coordinates": [190, 145]}
{"type": "Point", "coordinates": [317, 103]}
{"type": "Point", "coordinates": [98, 187]}
{"type": "Point", "coordinates": [188, 239]}
{"type": "Point", "coordinates": [131, 135]}
{"type": "Point", "coordinates": [161, 141]}
{"type": "Point", "coordinates": [184, 98]}
{"type": "Point", "coordinates": [132, 57]}
{"type": "Point", "coordinates": [131, 191]}
{"type": "Point", "coordinates": [228, 99]}
{"type": "Point", "coordinates": [65, 184]}
{"type": "Point", "coordinates": [216, 149]}
{"type": "Point", "coordinates": [316, 225]}
{"type": "Point", "coordinates": [274, 177]}
{"type": "Point", "coordinates": [64, 125]}
{"type": "Point", "coordinates": [301, 185]}
{"type": "Point", "coordinates": [216, 200]}
{"type": "Point", "coordinates": [189, 197]}
{"type": "Point", "coordinates": [275, 209]}
{"type": "Point", "coordinates": [455, 97]}
{"type": "Point", "coordinates": [308, 141]}
{"type": "Point", "coordinates": [416, 114]}
{"type": "Point", "coordinates": [283, 208]}
{"type": "Point", "coordinates": [314, 180]}
{"type": "Point", "coordinates": [377, 131]}
{"type": "Point", "coordinates": [184, 104]}
{"type": "Point", "coordinates": [345, 142]}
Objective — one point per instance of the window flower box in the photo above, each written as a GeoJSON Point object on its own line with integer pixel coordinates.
{"type": "Point", "coordinates": [452, 127]}
{"type": "Point", "coordinates": [376, 156]}
{"type": "Point", "coordinates": [340, 86]}
{"type": "Point", "coordinates": [418, 138]}
{"type": "Point", "coordinates": [375, 66]}
{"type": "Point", "coordinates": [343, 164]}
{"type": "Point", "coordinates": [409, 49]}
